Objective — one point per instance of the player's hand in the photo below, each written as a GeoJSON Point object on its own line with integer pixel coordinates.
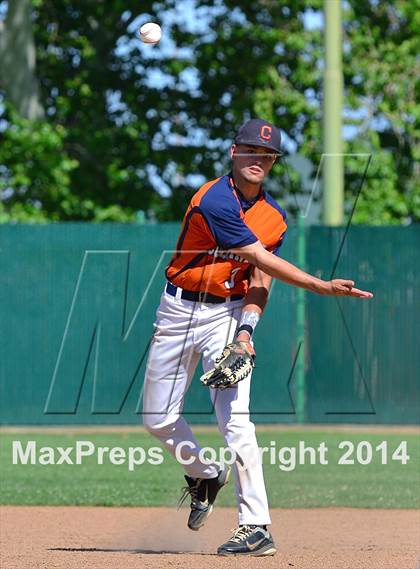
{"type": "Point", "coordinates": [343, 287]}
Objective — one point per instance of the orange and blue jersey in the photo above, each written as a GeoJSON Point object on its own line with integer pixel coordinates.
{"type": "Point", "coordinates": [218, 219]}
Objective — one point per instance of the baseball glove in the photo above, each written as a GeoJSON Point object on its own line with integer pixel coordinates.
{"type": "Point", "coordinates": [234, 364]}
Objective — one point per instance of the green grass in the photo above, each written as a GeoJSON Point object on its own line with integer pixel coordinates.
{"type": "Point", "coordinates": [372, 486]}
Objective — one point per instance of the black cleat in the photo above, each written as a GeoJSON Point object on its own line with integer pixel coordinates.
{"type": "Point", "coordinates": [203, 492]}
{"type": "Point", "coordinates": [249, 540]}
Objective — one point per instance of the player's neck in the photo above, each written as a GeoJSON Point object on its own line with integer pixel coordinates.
{"type": "Point", "coordinates": [247, 189]}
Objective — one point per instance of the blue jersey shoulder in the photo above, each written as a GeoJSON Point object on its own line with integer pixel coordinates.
{"type": "Point", "coordinates": [223, 215]}
{"type": "Point", "coordinates": [219, 197]}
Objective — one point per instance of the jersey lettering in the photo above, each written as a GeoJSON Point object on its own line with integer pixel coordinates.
{"type": "Point", "coordinates": [231, 283]}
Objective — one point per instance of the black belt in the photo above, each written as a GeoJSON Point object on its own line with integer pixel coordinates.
{"type": "Point", "coordinates": [200, 296]}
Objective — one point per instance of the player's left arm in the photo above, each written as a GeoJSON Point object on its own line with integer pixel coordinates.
{"type": "Point", "coordinates": [258, 289]}
{"type": "Point", "coordinates": [256, 297]}
{"type": "Point", "coordinates": [238, 357]}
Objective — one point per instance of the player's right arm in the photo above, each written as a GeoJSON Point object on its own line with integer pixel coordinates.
{"type": "Point", "coordinates": [287, 272]}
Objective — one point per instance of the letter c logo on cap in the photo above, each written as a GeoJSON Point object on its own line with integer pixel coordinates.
{"type": "Point", "coordinates": [265, 132]}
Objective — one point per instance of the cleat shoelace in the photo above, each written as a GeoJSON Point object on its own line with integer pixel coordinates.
{"type": "Point", "coordinates": [240, 533]}
{"type": "Point", "coordinates": [190, 491]}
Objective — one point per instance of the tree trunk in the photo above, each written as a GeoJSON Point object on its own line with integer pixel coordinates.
{"type": "Point", "coordinates": [18, 60]}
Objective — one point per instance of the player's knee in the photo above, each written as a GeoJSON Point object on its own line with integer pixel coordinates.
{"type": "Point", "coordinates": [237, 429]}
{"type": "Point", "coordinates": [151, 422]}
{"type": "Point", "coordinates": [158, 424]}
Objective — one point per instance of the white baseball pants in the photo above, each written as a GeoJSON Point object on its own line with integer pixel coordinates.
{"type": "Point", "coordinates": [184, 331]}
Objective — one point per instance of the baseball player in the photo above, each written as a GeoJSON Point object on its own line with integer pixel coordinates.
{"type": "Point", "coordinates": [217, 287]}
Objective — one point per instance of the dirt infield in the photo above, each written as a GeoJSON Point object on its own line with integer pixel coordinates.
{"type": "Point", "coordinates": [153, 538]}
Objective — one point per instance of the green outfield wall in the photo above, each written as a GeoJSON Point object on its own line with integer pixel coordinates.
{"type": "Point", "coordinates": [77, 305]}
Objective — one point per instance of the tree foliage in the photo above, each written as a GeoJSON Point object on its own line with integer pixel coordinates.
{"type": "Point", "coordinates": [382, 70]}
{"type": "Point", "coordinates": [131, 127]}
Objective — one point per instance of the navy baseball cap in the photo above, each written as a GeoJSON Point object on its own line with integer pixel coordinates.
{"type": "Point", "coordinates": [257, 132]}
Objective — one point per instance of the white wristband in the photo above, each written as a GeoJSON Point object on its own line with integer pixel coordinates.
{"type": "Point", "coordinates": [249, 320]}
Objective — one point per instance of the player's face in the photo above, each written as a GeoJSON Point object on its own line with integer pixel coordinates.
{"type": "Point", "coordinates": [252, 162]}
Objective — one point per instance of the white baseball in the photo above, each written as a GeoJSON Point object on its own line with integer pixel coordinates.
{"type": "Point", "coordinates": [150, 33]}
